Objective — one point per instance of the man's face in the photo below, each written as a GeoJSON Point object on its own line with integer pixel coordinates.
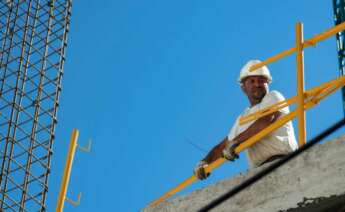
{"type": "Point", "coordinates": [255, 87]}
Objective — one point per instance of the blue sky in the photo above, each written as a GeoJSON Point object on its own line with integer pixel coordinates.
{"type": "Point", "coordinates": [143, 79]}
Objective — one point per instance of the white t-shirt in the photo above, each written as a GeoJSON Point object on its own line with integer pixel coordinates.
{"type": "Point", "coordinates": [280, 141]}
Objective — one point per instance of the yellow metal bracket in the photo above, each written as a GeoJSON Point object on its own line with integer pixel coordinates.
{"type": "Point", "coordinates": [72, 202]}
{"type": "Point", "coordinates": [309, 43]}
{"type": "Point", "coordinates": [85, 149]}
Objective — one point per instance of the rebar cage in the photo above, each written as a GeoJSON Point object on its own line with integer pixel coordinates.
{"type": "Point", "coordinates": [33, 39]}
{"type": "Point", "coordinates": [339, 17]}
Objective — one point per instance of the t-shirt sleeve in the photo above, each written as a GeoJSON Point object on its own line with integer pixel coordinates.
{"type": "Point", "coordinates": [234, 130]}
{"type": "Point", "coordinates": [272, 98]}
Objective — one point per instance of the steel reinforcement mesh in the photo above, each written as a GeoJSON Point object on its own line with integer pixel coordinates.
{"type": "Point", "coordinates": [339, 17]}
{"type": "Point", "coordinates": [33, 36]}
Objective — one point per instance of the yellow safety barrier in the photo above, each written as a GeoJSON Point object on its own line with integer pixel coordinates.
{"type": "Point", "coordinates": [300, 85]}
{"type": "Point", "coordinates": [304, 101]}
{"type": "Point", "coordinates": [67, 171]}
{"type": "Point", "coordinates": [313, 97]}
{"type": "Point", "coordinates": [310, 42]}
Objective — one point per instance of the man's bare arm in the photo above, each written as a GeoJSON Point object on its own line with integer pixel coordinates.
{"type": "Point", "coordinates": [216, 152]}
{"type": "Point", "coordinates": [256, 127]}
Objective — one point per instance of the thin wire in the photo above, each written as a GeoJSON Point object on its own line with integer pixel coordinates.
{"type": "Point", "coordinates": [195, 145]}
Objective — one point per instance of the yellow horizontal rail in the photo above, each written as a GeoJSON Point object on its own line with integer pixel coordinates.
{"type": "Point", "coordinates": [311, 95]}
{"type": "Point", "coordinates": [331, 89]}
{"type": "Point", "coordinates": [268, 110]}
{"type": "Point", "coordinates": [307, 43]}
{"type": "Point", "coordinates": [316, 89]}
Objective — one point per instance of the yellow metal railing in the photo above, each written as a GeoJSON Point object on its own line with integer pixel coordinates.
{"type": "Point", "coordinates": [312, 97]}
{"type": "Point", "coordinates": [67, 171]}
{"type": "Point", "coordinates": [310, 42]}
{"type": "Point", "coordinates": [304, 101]}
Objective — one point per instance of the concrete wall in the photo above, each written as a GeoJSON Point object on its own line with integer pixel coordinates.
{"type": "Point", "coordinates": [314, 175]}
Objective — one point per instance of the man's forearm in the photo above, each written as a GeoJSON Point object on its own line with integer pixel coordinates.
{"type": "Point", "coordinates": [256, 127]}
{"type": "Point", "coordinates": [252, 130]}
{"type": "Point", "coordinates": [216, 152]}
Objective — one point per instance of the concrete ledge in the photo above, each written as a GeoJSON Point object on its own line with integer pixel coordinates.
{"type": "Point", "coordinates": [319, 173]}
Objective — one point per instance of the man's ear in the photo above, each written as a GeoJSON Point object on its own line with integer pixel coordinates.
{"type": "Point", "coordinates": [242, 87]}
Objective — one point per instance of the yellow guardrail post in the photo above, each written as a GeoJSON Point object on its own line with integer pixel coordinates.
{"type": "Point", "coordinates": [300, 85]}
{"type": "Point", "coordinates": [67, 171]}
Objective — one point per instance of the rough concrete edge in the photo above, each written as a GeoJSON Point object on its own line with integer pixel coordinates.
{"type": "Point", "coordinates": [242, 176]}
{"type": "Point", "coordinates": [318, 204]}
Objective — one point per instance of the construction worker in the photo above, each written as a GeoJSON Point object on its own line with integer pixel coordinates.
{"type": "Point", "coordinates": [275, 145]}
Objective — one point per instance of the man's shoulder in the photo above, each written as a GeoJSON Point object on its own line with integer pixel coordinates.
{"type": "Point", "coordinates": [271, 98]}
{"type": "Point", "coordinates": [275, 96]}
{"type": "Point", "coordinates": [275, 93]}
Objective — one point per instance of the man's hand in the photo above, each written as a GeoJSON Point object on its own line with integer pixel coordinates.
{"type": "Point", "coordinates": [199, 170]}
{"type": "Point", "coordinates": [229, 151]}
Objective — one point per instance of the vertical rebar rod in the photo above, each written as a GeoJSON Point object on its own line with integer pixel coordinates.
{"type": "Point", "coordinates": [11, 33]}
{"type": "Point", "coordinates": [17, 103]}
{"type": "Point", "coordinates": [67, 14]}
{"type": "Point", "coordinates": [37, 106]}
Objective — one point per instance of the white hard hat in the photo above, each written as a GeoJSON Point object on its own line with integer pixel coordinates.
{"type": "Point", "coordinates": [263, 71]}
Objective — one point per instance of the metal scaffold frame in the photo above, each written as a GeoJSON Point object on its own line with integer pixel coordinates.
{"type": "Point", "coordinates": [33, 40]}
{"type": "Point", "coordinates": [339, 17]}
